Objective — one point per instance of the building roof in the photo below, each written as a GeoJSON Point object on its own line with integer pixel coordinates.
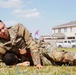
{"type": "Point", "coordinates": [45, 36]}
{"type": "Point", "coordinates": [69, 24]}
{"type": "Point", "coordinates": [58, 35]}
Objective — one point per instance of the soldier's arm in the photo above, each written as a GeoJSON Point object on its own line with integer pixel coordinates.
{"type": "Point", "coordinates": [30, 43]}
{"type": "Point", "coordinates": [2, 52]}
{"type": "Point", "coordinates": [1, 56]}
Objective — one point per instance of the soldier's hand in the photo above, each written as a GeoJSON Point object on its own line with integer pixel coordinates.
{"type": "Point", "coordinates": [22, 51]}
{"type": "Point", "coordinates": [39, 66]}
{"type": "Point", "coordinates": [26, 63]}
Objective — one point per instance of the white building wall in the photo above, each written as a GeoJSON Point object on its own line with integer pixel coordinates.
{"type": "Point", "coordinates": [69, 33]}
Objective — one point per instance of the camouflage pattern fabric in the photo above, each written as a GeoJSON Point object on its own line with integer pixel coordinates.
{"type": "Point", "coordinates": [20, 37]}
{"type": "Point", "coordinates": [64, 57]}
{"type": "Point", "coordinates": [50, 55]}
{"type": "Point", "coordinates": [46, 50]}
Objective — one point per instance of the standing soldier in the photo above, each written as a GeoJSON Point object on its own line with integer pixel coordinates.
{"type": "Point", "coordinates": [16, 39]}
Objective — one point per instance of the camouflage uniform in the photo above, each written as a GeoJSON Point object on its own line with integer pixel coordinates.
{"type": "Point", "coordinates": [64, 57]}
{"type": "Point", "coordinates": [46, 50]}
{"type": "Point", "coordinates": [50, 55]}
{"type": "Point", "coordinates": [20, 37]}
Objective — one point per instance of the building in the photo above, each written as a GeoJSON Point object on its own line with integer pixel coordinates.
{"type": "Point", "coordinates": [62, 32]}
{"type": "Point", "coordinates": [65, 31]}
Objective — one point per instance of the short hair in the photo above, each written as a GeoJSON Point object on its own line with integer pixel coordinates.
{"type": "Point", "coordinates": [0, 20]}
{"type": "Point", "coordinates": [9, 58]}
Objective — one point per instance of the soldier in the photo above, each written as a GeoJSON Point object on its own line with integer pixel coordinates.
{"type": "Point", "coordinates": [16, 39]}
{"type": "Point", "coordinates": [10, 58]}
{"type": "Point", "coordinates": [50, 55]}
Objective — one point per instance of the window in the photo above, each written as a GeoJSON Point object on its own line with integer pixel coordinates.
{"type": "Point", "coordinates": [65, 29]}
{"type": "Point", "coordinates": [59, 30]}
{"type": "Point", "coordinates": [54, 30]}
{"type": "Point", "coordinates": [65, 41]}
{"type": "Point", "coordinates": [70, 29]}
{"type": "Point", "coordinates": [70, 37]}
{"type": "Point", "coordinates": [69, 42]}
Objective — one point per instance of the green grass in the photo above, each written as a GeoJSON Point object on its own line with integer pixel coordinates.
{"type": "Point", "coordinates": [68, 49]}
{"type": "Point", "coordinates": [46, 70]}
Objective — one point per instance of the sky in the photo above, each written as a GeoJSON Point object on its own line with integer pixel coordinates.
{"type": "Point", "coordinates": [36, 15]}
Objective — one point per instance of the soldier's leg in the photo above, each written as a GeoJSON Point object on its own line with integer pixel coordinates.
{"type": "Point", "coordinates": [64, 57]}
{"type": "Point", "coordinates": [59, 57]}
{"type": "Point", "coordinates": [52, 54]}
{"type": "Point", "coordinates": [45, 57]}
{"type": "Point", "coordinates": [44, 60]}
{"type": "Point", "coordinates": [70, 58]}
{"type": "Point", "coordinates": [46, 50]}
{"type": "Point", "coordinates": [74, 59]}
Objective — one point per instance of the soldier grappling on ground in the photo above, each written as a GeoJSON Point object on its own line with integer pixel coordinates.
{"type": "Point", "coordinates": [16, 39]}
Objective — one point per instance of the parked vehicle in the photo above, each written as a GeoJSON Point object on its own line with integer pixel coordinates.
{"type": "Point", "coordinates": [74, 41]}
{"type": "Point", "coordinates": [66, 44]}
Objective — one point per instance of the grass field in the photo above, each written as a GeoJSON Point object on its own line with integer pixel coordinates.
{"type": "Point", "coordinates": [46, 70]}
{"type": "Point", "coordinates": [68, 49]}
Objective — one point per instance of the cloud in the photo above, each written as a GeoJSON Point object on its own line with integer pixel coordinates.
{"type": "Point", "coordinates": [10, 3]}
{"type": "Point", "coordinates": [26, 13]}
{"type": "Point", "coordinates": [10, 23]}
{"type": "Point", "coordinates": [29, 2]}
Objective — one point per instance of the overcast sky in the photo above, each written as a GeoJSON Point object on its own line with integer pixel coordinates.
{"type": "Point", "coordinates": [39, 15]}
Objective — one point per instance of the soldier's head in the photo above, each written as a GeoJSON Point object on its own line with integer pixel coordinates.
{"type": "Point", "coordinates": [3, 31]}
{"type": "Point", "coordinates": [10, 59]}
